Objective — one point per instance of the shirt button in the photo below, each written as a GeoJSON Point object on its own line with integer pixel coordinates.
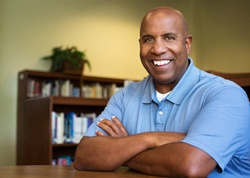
{"type": "Point", "coordinates": [160, 113]}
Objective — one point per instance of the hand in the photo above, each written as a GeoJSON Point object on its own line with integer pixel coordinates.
{"type": "Point", "coordinates": [113, 128]}
{"type": "Point", "coordinates": [161, 138]}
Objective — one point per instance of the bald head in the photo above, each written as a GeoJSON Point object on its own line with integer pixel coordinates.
{"type": "Point", "coordinates": [161, 13]}
{"type": "Point", "coordinates": [164, 46]}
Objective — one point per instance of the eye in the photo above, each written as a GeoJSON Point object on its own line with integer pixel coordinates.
{"type": "Point", "coordinates": [147, 40]}
{"type": "Point", "coordinates": [170, 38]}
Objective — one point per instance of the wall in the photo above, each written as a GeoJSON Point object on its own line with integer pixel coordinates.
{"type": "Point", "coordinates": [222, 32]}
{"type": "Point", "coordinates": [108, 31]}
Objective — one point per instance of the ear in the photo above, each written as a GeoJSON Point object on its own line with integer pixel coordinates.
{"type": "Point", "coordinates": [139, 40]}
{"type": "Point", "coordinates": [189, 40]}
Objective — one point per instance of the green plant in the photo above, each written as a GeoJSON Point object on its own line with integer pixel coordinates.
{"type": "Point", "coordinates": [62, 57]}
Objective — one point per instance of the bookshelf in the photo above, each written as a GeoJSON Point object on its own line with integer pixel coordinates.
{"type": "Point", "coordinates": [34, 112]}
{"type": "Point", "coordinates": [34, 118]}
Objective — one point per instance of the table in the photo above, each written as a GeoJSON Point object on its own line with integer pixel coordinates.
{"type": "Point", "coordinates": [49, 171]}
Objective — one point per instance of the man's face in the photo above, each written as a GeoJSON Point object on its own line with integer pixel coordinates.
{"type": "Point", "coordinates": [164, 48]}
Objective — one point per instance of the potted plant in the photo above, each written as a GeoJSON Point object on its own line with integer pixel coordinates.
{"type": "Point", "coordinates": [67, 59]}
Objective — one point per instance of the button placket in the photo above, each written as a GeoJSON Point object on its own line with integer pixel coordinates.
{"type": "Point", "coordinates": [160, 117]}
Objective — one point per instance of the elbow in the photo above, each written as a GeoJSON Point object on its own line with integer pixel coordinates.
{"type": "Point", "coordinates": [93, 166]}
{"type": "Point", "coordinates": [196, 164]}
{"type": "Point", "coordinates": [80, 163]}
{"type": "Point", "coordinates": [195, 170]}
{"type": "Point", "coordinates": [80, 166]}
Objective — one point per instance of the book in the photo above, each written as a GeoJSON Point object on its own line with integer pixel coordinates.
{"type": "Point", "coordinates": [59, 126]}
{"type": "Point", "coordinates": [53, 126]}
{"type": "Point", "coordinates": [65, 88]}
{"type": "Point", "coordinates": [55, 88]}
{"type": "Point", "coordinates": [69, 127]}
{"type": "Point", "coordinates": [30, 87]}
{"type": "Point", "coordinates": [64, 160]}
{"type": "Point", "coordinates": [78, 128]}
{"type": "Point", "coordinates": [76, 92]}
{"type": "Point", "coordinates": [46, 88]}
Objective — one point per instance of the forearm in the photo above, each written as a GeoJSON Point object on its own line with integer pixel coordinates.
{"type": "Point", "coordinates": [107, 153]}
{"type": "Point", "coordinates": [173, 160]}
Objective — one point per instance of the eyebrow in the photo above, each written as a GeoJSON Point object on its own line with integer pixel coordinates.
{"type": "Point", "coordinates": [170, 34]}
{"type": "Point", "coordinates": [165, 34]}
{"type": "Point", "coordinates": [146, 35]}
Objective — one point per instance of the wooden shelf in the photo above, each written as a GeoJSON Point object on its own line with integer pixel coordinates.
{"type": "Point", "coordinates": [34, 133]}
{"type": "Point", "coordinates": [57, 100]}
{"type": "Point", "coordinates": [65, 145]}
{"type": "Point", "coordinates": [42, 74]}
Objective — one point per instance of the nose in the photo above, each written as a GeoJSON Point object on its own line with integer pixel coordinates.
{"type": "Point", "coordinates": [158, 47]}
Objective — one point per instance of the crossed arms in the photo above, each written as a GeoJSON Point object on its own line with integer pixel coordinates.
{"type": "Point", "coordinates": [155, 153]}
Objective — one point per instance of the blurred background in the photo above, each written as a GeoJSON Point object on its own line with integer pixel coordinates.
{"type": "Point", "coordinates": [108, 31]}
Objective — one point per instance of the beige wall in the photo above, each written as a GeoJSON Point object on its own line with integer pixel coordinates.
{"type": "Point", "coordinates": [108, 31]}
{"type": "Point", "coordinates": [222, 33]}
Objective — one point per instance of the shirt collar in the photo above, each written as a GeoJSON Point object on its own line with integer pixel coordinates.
{"type": "Point", "coordinates": [180, 91]}
{"type": "Point", "coordinates": [186, 83]}
{"type": "Point", "coordinates": [149, 92]}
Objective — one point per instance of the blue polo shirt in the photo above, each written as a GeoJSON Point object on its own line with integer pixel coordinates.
{"type": "Point", "coordinates": [214, 113]}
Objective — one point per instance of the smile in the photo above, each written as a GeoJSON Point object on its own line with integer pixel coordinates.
{"type": "Point", "coordinates": [161, 63]}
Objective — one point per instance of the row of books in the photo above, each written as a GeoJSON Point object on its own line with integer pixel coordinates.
{"type": "Point", "coordinates": [70, 127]}
{"type": "Point", "coordinates": [96, 90]}
{"type": "Point", "coordinates": [38, 88]}
{"type": "Point", "coordinates": [64, 160]}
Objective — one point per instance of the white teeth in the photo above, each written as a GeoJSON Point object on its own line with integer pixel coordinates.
{"type": "Point", "coordinates": [160, 63]}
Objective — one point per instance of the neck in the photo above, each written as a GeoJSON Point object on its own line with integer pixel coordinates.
{"type": "Point", "coordinates": [164, 88]}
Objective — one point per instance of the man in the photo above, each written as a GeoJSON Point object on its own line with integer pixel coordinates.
{"type": "Point", "coordinates": [179, 121]}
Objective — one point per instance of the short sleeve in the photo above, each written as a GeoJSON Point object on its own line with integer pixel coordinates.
{"type": "Point", "coordinates": [220, 126]}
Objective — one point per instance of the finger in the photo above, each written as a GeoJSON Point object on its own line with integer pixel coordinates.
{"type": "Point", "coordinates": [112, 125]}
{"type": "Point", "coordinates": [112, 128]}
{"type": "Point", "coordinates": [99, 133]}
{"type": "Point", "coordinates": [108, 126]}
{"type": "Point", "coordinates": [120, 125]}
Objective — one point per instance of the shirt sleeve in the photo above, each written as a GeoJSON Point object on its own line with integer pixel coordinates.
{"type": "Point", "coordinates": [220, 126]}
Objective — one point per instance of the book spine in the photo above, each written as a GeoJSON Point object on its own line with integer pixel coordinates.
{"type": "Point", "coordinates": [70, 127]}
